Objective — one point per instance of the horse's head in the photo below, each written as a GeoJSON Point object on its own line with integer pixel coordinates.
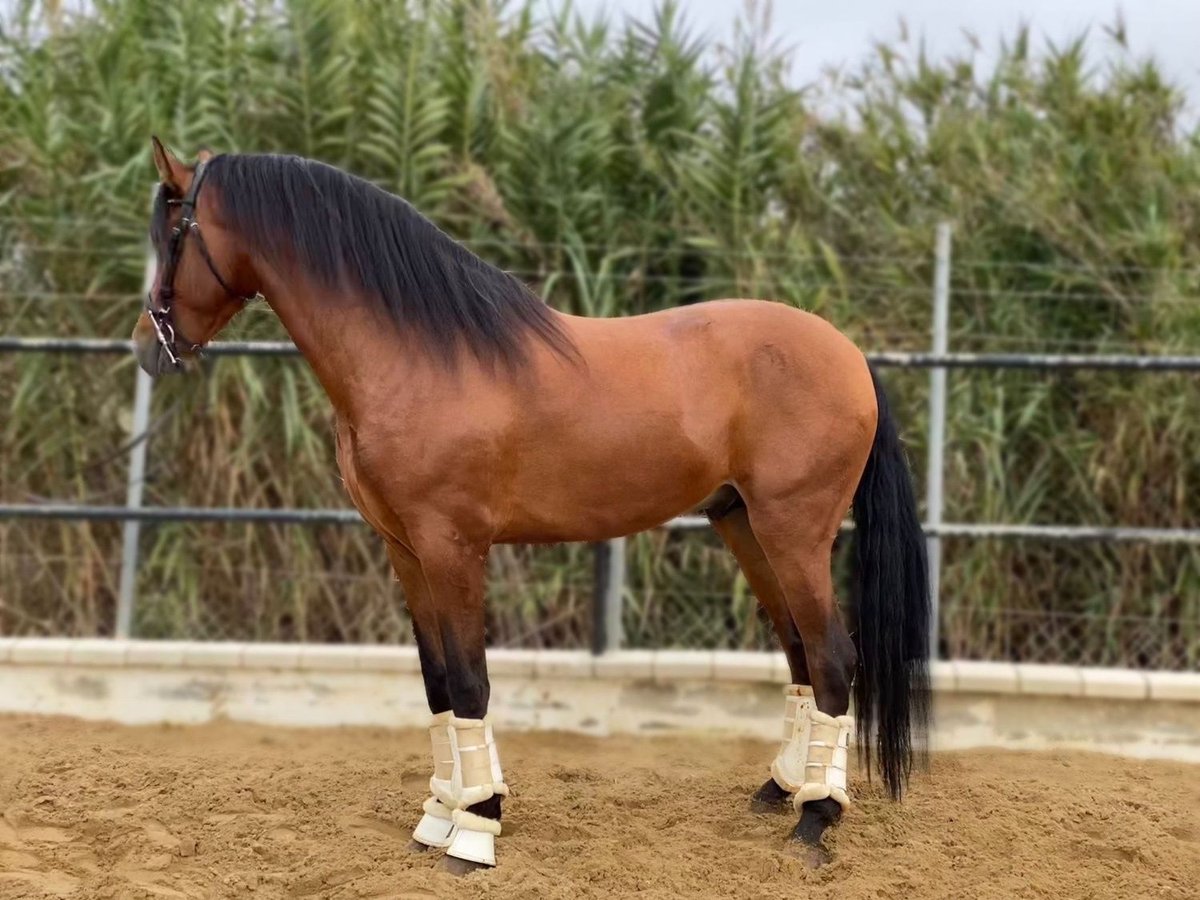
{"type": "Point", "coordinates": [203, 276]}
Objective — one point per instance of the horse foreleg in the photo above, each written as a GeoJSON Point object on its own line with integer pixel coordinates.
{"type": "Point", "coordinates": [436, 826]}
{"type": "Point", "coordinates": [455, 577]}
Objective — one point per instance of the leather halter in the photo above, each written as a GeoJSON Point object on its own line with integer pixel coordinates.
{"type": "Point", "coordinates": [160, 313]}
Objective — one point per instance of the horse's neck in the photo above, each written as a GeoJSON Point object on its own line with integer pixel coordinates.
{"type": "Point", "coordinates": [344, 341]}
{"type": "Point", "coordinates": [363, 359]}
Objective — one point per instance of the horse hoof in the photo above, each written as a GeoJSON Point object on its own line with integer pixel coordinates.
{"type": "Point", "coordinates": [460, 867]}
{"type": "Point", "coordinates": [760, 806]}
{"type": "Point", "coordinates": [418, 847]}
{"type": "Point", "coordinates": [812, 855]}
{"type": "Point", "coordinates": [770, 798]}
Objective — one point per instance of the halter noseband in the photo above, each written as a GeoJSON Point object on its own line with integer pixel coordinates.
{"type": "Point", "coordinates": [160, 314]}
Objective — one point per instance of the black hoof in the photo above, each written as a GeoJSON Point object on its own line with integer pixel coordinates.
{"type": "Point", "coordinates": [418, 847]}
{"type": "Point", "coordinates": [456, 866]}
{"type": "Point", "coordinates": [805, 843]}
{"type": "Point", "coordinates": [770, 798]}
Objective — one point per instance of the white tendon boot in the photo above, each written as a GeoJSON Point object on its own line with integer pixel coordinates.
{"type": "Point", "coordinates": [437, 825]}
{"type": "Point", "coordinates": [814, 753]}
{"type": "Point", "coordinates": [476, 778]}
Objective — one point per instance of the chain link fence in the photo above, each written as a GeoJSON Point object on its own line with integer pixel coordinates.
{"type": "Point", "coordinates": [1066, 594]}
{"type": "Point", "coordinates": [683, 590]}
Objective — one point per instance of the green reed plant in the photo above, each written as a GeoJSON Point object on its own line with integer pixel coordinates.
{"type": "Point", "coordinates": [619, 166]}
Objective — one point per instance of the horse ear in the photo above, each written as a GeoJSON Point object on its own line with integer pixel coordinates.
{"type": "Point", "coordinates": [203, 155]}
{"type": "Point", "coordinates": [171, 171]}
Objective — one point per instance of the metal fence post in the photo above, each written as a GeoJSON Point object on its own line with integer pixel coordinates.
{"type": "Point", "coordinates": [607, 595]}
{"type": "Point", "coordinates": [935, 473]}
{"type": "Point", "coordinates": [132, 528]}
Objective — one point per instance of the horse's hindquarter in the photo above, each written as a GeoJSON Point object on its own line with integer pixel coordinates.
{"type": "Point", "coordinates": [663, 410]}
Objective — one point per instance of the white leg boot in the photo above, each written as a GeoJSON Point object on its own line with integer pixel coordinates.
{"type": "Point", "coordinates": [477, 777]}
{"type": "Point", "coordinates": [814, 753]}
{"type": "Point", "coordinates": [437, 825]}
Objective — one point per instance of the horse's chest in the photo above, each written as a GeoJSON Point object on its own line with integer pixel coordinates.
{"type": "Point", "coordinates": [358, 481]}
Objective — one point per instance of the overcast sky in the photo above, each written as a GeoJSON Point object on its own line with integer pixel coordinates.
{"type": "Point", "coordinates": [829, 32]}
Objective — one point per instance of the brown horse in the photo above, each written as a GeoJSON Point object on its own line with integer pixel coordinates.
{"type": "Point", "coordinates": [469, 413]}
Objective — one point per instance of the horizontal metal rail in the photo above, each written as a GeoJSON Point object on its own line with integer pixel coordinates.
{"type": "Point", "coordinates": [347, 516]}
{"type": "Point", "coordinates": [281, 515]}
{"type": "Point", "coordinates": [1120, 362]}
{"type": "Point", "coordinates": [1123, 362]}
{"type": "Point", "coordinates": [118, 346]}
{"type": "Point", "coordinates": [1034, 532]}
{"type": "Point", "coordinates": [1070, 533]}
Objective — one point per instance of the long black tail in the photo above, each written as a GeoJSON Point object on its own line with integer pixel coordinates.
{"type": "Point", "coordinates": [891, 689]}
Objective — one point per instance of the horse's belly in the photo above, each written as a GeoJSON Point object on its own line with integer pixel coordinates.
{"type": "Point", "coordinates": [613, 491]}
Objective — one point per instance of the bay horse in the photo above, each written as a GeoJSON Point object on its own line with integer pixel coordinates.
{"type": "Point", "coordinates": [470, 413]}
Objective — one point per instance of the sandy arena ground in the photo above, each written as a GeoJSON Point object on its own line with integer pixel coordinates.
{"type": "Point", "coordinates": [97, 810]}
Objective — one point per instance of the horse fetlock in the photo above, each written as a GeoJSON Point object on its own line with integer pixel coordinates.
{"type": "Point", "coordinates": [477, 779]}
{"type": "Point", "coordinates": [814, 752]}
{"type": "Point", "coordinates": [466, 774]}
{"type": "Point", "coordinates": [436, 826]}
{"type": "Point", "coordinates": [441, 784]}
{"type": "Point", "coordinates": [477, 776]}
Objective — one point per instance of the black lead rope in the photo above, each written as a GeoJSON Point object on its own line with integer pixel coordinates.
{"type": "Point", "coordinates": [160, 313]}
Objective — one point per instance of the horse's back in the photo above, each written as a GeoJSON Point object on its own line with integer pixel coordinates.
{"type": "Point", "coordinates": [731, 346]}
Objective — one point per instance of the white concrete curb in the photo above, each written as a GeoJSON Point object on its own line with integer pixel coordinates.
{"type": "Point", "coordinates": [646, 692]}
{"type": "Point", "coordinates": [657, 666]}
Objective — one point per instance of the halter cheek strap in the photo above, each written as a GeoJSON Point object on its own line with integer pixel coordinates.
{"type": "Point", "coordinates": [168, 335]}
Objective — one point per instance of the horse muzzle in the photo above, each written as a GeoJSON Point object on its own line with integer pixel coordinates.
{"type": "Point", "coordinates": [151, 355]}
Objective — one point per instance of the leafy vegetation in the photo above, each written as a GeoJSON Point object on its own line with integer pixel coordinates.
{"type": "Point", "coordinates": [619, 167]}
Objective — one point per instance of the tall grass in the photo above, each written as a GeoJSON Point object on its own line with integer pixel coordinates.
{"type": "Point", "coordinates": [619, 167]}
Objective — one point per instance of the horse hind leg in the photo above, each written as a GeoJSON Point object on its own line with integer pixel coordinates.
{"type": "Point", "coordinates": [732, 523]}
{"type": "Point", "coordinates": [796, 534]}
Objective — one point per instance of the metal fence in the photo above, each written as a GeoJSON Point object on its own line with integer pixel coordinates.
{"type": "Point", "coordinates": [610, 582]}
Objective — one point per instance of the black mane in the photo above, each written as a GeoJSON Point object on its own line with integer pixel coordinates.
{"type": "Point", "coordinates": [347, 233]}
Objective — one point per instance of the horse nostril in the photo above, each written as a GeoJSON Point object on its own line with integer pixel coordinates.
{"type": "Point", "coordinates": [150, 357]}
